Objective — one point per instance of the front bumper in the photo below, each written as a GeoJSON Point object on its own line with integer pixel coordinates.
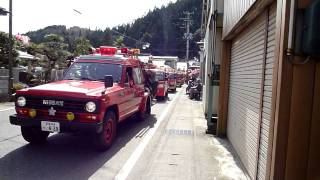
{"type": "Point", "coordinates": [161, 92]}
{"type": "Point", "coordinates": [65, 126]}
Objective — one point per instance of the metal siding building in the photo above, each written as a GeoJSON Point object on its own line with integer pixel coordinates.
{"type": "Point", "coordinates": [233, 12]}
{"type": "Point", "coordinates": [269, 97]}
{"type": "Point", "coordinates": [250, 89]}
{"type": "Point", "coordinates": [250, 81]}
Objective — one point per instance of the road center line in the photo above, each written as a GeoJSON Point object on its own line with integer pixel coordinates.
{"type": "Point", "coordinates": [1, 110]}
{"type": "Point", "coordinates": [127, 167]}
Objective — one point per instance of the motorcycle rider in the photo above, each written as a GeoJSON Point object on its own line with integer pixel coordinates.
{"type": "Point", "coordinates": [195, 90]}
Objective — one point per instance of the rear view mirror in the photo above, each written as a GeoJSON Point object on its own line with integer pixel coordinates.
{"type": "Point", "coordinates": [108, 81]}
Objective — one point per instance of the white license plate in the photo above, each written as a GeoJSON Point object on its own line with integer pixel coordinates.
{"type": "Point", "coordinates": [50, 126]}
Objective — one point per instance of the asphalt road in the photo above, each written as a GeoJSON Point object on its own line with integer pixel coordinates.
{"type": "Point", "coordinates": [67, 156]}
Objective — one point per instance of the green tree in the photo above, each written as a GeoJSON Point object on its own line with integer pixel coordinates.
{"type": "Point", "coordinates": [82, 46]}
{"type": "Point", "coordinates": [4, 50]}
{"type": "Point", "coordinates": [107, 40]}
{"type": "Point", "coordinates": [34, 49]}
{"type": "Point", "coordinates": [119, 42]}
{"type": "Point", "coordinates": [55, 50]}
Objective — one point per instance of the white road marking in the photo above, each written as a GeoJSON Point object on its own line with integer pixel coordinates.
{"type": "Point", "coordinates": [127, 167]}
{"type": "Point", "coordinates": [1, 110]}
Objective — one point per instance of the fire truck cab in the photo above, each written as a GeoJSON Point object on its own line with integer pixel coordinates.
{"type": "Point", "coordinates": [163, 86]}
{"type": "Point", "coordinates": [98, 91]}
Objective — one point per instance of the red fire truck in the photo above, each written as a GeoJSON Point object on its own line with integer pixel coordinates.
{"type": "Point", "coordinates": [172, 81]}
{"type": "Point", "coordinates": [163, 87]}
{"type": "Point", "coordinates": [180, 79]}
{"type": "Point", "coordinates": [98, 92]}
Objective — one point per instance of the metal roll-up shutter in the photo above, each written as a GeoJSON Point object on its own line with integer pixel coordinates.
{"type": "Point", "coordinates": [244, 114]}
{"type": "Point", "coordinates": [264, 149]}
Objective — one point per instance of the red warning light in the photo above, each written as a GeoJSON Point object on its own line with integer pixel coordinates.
{"type": "Point", "coordinates": [124, 50]}
{"type": "Point", "coordinates": [106, 50]}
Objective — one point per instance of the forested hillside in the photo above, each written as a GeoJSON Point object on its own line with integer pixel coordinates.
{"type": "Point", "coordinates": [160, 27]}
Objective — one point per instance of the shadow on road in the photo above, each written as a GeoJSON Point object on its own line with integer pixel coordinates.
{"type": "Point", "coordinates": [67, 156]}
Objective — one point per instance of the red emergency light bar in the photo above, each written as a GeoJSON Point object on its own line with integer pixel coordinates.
{"type": "Point", "coordinates": [124, 50]}
{"type": "Point", "coordinates": [106, 50]}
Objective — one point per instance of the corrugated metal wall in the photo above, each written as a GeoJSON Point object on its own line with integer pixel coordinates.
{"type": "Point", "coordinates": [267, 96]}
{"type": "Point", "coordinates": [243, 126]}
{"type": "Point", "coordinates": [233, 11]}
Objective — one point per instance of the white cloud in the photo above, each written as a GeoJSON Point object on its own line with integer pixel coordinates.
{"type": "Point", "coordinates": [35, 14]}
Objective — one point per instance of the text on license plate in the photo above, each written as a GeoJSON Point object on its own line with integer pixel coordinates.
{"type": "Point", "coordinates": [50, 126]}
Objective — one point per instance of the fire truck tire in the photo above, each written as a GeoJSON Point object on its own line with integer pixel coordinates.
{"type": "Point", "coordinates": [160, 98]}
{"type": "Point", "coordinates": [104, 140]}
{"type": "Point", "coordinates": [34, 135]}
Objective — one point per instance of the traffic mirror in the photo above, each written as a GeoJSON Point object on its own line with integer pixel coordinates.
{"type": "Point", "coordinates": [108, 81]}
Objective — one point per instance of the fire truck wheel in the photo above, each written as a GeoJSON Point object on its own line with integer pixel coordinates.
{"type": "Point", "coordinates": [105, 139]}
{"type": "Point", "coordinates": [34, 135]}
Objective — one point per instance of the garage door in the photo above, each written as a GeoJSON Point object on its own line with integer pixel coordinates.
{"type": "Point", "coordinates": [250, 88]}
{"type": "Point", "coordinates": [264, 149]}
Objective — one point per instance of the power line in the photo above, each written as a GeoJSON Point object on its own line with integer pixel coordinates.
{"type": "Point", "coordinates": [77, 11]}
{"type": "Point", "coordinates": [126, 36]}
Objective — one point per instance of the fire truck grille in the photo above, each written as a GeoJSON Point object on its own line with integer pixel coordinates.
{"type": "Point", "coordinates": [67, 105]}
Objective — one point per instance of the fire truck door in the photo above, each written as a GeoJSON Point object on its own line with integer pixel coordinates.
{"type": "Point", "coordinates": [138, 86]}
{"type": "Point", "coordinates": [127, 95]}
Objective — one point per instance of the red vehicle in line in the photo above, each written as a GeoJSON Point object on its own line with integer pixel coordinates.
{"type": "Point", "coordinates": [172, 81]}
{"type": "Point", "coordinates": [98, 92]}
{"type": "Point", "coordinates": [180, 79]}
{"type": "Point", "coordinates": [162, 89]}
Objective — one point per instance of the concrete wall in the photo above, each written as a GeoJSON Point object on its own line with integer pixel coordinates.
{"type": "Point", "coordinates": [4, 83]}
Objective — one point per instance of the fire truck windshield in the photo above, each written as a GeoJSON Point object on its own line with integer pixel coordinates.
{"type": "Point", "coordinates": [93, 71]}
{"type": "Point", "coordinates": [160, 76]}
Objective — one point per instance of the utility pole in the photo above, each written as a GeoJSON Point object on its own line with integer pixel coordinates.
{"type": "Point", "coordinates": [10, 83]}
{"type": "Point", "coordinates": [187, 35]}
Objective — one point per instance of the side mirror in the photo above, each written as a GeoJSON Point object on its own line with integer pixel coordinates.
{"type": "Point", "coordinates": [108, 81]}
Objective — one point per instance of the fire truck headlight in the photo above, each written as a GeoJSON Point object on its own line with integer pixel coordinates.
{"type": "Point", "coordinates": [21, 101]}
{"type": "Point", "coordinates": [90, 106]}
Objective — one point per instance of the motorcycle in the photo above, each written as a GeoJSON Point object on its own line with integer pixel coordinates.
{"type": "Point", "coordinates": [195, 91]}
{"type": "Point", "coordinates": [190, 84]}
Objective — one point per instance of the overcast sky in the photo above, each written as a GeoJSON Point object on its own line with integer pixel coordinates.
{"type": "Point", "coordinates": [31, 15]}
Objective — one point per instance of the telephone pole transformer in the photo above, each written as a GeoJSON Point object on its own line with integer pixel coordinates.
{"type": "Point", "coordinates": [187, 35]}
